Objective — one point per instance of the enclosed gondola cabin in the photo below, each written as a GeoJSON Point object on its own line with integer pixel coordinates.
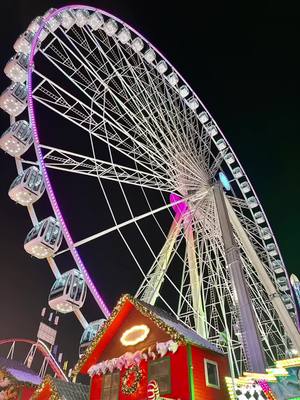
{"type": "Point", "coordinates": [16, 68]}
{"type": "Point", "coordinates": [283, 283]}
{"type": "Point", "coordinates": [54, 22]}
{"type": "Point", "coordinates": [23, 42]}
{"type": "Point", "coordinates": [68, 292]}
{"type": "Point", "coordinates": [14, 99]}
{"type": "Point", "coordinates": [17, 139]}
{"type": "Point", "coordinates": [44, 239]}
{"type": "Point", "coordinates": [88, 335]}
{"type": "Point", "coordinates": [28, 187]}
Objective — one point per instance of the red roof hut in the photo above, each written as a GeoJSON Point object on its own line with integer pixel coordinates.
{"type": "Point", "coordinates": [141, 346]}
{"type": "Point", "coordinates": [56, 389]}
{"type": "Point", "coordinates": [16, 380]}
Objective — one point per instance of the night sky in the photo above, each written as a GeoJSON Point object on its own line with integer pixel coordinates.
{"type": "Point", "coordinates": [242, 59]}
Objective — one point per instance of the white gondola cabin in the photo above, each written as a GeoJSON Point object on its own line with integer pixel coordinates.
{"type": "Point", "coordinates": [23, 43]}
{"type": "Point", "coordinates": [44, 239]}
{"type": "Point", "coordinates": [184, 91]}
{"type": "Point", "coordinates": [271, 249]}
{"type": "Point", "coordinates": [286, 298]}
{"type": "Point", "coordinates": [229, 158]}
{"type": "Point", "coordinates": [282, 283]}
{"type": "Point", "coordinates": [277, 266]}
{"type": "Point", "coordinates": [237, 172]}
{"type": "Point", "coordinates": [212, 130]}
{"type": "Point", "coordinates": [88, 335]}
{"type": "Point", "coordinates": [67, 19]}
{"type": "Point", "coordinates": [124, 35]}
{"type": "Point", "coordinates": [193, 103]}
{"type": "Point", "coordinates": [53, 23]}
{"type": "Point", "coordinates": [17, 138]}
{"type": "Point", "coordinates": [161, 66]}
{"type": "Point", "coordinates": [221, 144]}
{"type": "Point", "coordinates": [82, 17]}
{"type": "Point", "coordinates": [203, 117]}
{"type": "Point", "coordinates": [111, 27]}
{"type": "Point", "coordinates": [173, 78]}
{"type": "Point", "coordinates": [259, 217]}
{"type": "Point", "coordinates": [35, 24]}
{"type": "Point", "coordinates": [68, 292]}
{"type": "Point", "coordinates": [14, 99]}
{"type": "Point", "coordinates": [150, 56]}
{"type": "Point", "coordinates": [245, 187]}
{"type": "Point", "coordinates": [137, 44]}
{"type": "Point", "coordinates": [27, 187]}
{"type": "Point", "coordinates": [95, 21]}
{"type": "Point", "coordinates": [266, 233]}
{"type": "Point", "coordinates": [16, 68]}
{"type": "Point", "coordinates": [252, 202]}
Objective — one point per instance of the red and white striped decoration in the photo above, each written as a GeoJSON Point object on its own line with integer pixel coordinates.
{"type": "Point", "coordinates": [153, 390]}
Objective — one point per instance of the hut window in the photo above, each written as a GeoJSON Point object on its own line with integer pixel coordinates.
{"type": "Point", "coordinates": [110, 386]}
{"type": "Point", "coordinates": [211, 374]}
{"type": "Point", "coordinates": [160, 370]}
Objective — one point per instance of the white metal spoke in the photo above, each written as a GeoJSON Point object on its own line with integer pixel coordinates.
{"type": "Point", "coordinates": [76, 163]}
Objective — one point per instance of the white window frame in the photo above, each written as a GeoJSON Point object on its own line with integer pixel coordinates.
{"type": "Point", "coordinates": [206, 361]}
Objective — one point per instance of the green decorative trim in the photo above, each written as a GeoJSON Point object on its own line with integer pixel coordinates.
{"type": "Point", "coordinates": [191, 371]}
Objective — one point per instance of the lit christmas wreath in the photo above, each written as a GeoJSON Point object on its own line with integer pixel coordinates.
{"type": "Point", "coordinates": [129, 389]}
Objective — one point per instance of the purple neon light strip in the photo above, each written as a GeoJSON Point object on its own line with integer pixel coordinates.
{"type": "Point", "coordinates": [49, 188]}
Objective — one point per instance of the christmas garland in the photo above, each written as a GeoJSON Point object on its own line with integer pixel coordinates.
{"type": "Point", "coordinates": [137, 379]}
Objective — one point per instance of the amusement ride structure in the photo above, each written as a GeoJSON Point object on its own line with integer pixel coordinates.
{"type": "Point", "coordinates": [138, 126]}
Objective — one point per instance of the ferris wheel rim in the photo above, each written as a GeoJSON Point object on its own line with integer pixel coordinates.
{"type": "Point", "coordinates": [32, 117]}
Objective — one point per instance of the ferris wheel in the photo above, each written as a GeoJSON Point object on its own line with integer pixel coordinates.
{"type": "Point", "coordinates": [175, 191]}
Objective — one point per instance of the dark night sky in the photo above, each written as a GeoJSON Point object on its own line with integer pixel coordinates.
{"type": "Point", "coordinates": [242, 58]}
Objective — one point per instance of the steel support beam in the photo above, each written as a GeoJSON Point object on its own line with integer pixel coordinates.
{"type": "Point", "coordinates": [247, 323]}
{"type": "Point", "coordinates": [284, 316]}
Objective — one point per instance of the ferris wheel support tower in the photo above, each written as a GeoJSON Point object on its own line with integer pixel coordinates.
{"type": "Point", "coordinates": [248, 326]}
{"type": "Point", "coordinates": [229, 223]}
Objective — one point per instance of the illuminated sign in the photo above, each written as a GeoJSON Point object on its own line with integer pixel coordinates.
{"type": "Point", "coordinates": [134, 335]}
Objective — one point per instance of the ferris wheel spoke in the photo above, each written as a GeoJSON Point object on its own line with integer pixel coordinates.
{"type": "Point", "coordinates": [125, 223]}
{"type": "Point", "coordinates": [175, 122]}
{"type": "Point", "coordinates": [150, 287]}
{"type": "Point", "coordinates": [114, 95]}
{"type": "Point", "coordinates": [154, 101]}
{"type": "Point", "coordinates": [128, 111]}
{"type": "Point", "coordinates": [77, 163]}
{"type": "Point", "coordinates": [71, 108]}
{"type": "Point", "coordinates": [135, 124]}
{"type": "Point", "coordinates": [148, 98]}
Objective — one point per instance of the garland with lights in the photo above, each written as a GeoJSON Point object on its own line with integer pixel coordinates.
{"type": "Point", "coordinates": [126, 389]}
{"type": "Point", "coordinates": [48, 381]}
